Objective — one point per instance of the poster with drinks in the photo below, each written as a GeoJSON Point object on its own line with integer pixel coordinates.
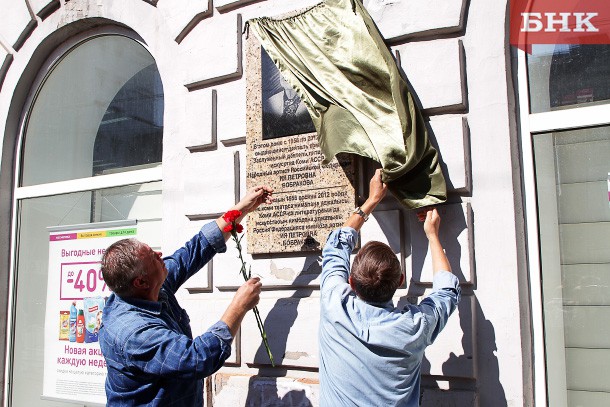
{"type": "Point", "coordinates": [74, 368]}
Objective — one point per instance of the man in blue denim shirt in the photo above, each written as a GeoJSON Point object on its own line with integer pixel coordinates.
{"type": "Point", "coordinates": [146, 337]}
{"type": "Point", "coordinates": [370, 351]}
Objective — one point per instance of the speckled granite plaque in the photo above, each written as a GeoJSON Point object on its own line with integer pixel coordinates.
{"type": "Point", "coordinates": [310, 199]}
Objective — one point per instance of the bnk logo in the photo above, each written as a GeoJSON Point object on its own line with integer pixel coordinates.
{"type": "Point", "coordinates": [559, 22]}
{"type": "Point", "coordinates": [581, 22]}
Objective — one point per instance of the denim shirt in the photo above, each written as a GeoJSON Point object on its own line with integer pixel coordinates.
{"type": "Point", "coordinates": [371, 354]}
{"type": "Point", "coordinates": [150, 352]}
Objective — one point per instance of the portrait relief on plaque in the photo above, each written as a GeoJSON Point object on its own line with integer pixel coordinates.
{"type": "Point", "coordinates": [284, 114]}
{"type": "Point", "coordinates": [282, 151]}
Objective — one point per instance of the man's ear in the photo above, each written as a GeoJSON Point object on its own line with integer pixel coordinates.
{"type": "Point", "coordinates": [140, 283]}
{"type": "Point", "coordinates": [402, 280]}
{"type": "Point", "coordinates": [351, 284]}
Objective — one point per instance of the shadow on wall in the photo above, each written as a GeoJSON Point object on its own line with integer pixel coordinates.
{"type": "Point", "coordinates": [264, 391]}
{"type": "Point", "coordinates": [487, 360]}
{"type": "Point", "coordinates": [453, 224]}
{"type": "Point", "coordinates": [462, 388]}
{"type": "Point", "coordinates": [459, 383]}
{"type": "Point", "coordinates": [464, 392]}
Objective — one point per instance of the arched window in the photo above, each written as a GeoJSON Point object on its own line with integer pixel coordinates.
{"type": "Point", "coordinates": [91, 149]}
{"type": "Point", "coordinates": [100, 109]}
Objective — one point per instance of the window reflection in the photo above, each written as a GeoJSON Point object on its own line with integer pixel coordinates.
{"type": "Point", "coordinates": [563, 76]}
{"type": "Point", "coordinates": [141, 202]}
{"type": "Point", "coordinates": [99, 110]}
{"type": "Point", "coordinates": [574, 226]}
{"type": "Point", "coordinates": [131, 131]}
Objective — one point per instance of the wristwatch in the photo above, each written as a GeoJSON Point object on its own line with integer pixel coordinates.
{"type": "Point", "coordinates": [361, 213]}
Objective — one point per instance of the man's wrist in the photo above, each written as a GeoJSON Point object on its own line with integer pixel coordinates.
{"type": "Point", "coordinates": [361, 213]}
{"type": "Point", "coordinates": [433, 238]}
{"type": "Point", "coordinates": [369, 206]}
{"type": "Point", "coordinates": [237, 207]}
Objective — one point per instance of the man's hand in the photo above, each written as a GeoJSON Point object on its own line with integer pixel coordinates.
{"type": "Point", "coordinates": [244, 300]}
{"type": "Point", "coordinates": [255, 197]}
{"type": "Point", "coordinates": [377, 189]}
{"type": "Point", "coordinates": [248, 294]}
{"type": "Point", "coordinates": [432, 222]}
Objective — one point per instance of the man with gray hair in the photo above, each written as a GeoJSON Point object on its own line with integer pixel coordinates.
{"type": "Point", "coordinates": [146, 337]}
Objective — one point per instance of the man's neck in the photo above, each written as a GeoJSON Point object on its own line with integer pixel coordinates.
{"type": "Point", "coordinates": [146, 295]}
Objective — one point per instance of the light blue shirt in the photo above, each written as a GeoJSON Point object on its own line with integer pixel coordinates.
{"type": "Point", "coordinates": [370, 354]}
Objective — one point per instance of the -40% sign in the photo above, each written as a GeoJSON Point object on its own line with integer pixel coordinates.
{"type": "Point", "coordinates": [80, 280]}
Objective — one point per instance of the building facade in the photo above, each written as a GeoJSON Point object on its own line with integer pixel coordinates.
{"type": "Point", "coordinates": [136, 110]}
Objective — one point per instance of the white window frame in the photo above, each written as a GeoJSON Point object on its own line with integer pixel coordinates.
{"type": "Point", "coordinates": [530, 125]}
{"type": "Point", "coordinates": [126, 178]}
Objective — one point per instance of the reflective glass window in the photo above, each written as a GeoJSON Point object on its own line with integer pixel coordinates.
{"type": "Point", "coordinates": [140, 202]}
{"type": "Point", "coordinates": [565, 76]}
{"type": "Point", "coordinates": [100, 110]}
{"type": "Point", "coordinates": [572, 180]}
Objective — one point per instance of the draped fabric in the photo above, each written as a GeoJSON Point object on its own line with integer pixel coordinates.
{"type": "Point", "coordinates": [336, 60]}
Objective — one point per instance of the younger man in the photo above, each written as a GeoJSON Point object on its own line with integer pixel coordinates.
{"type": "Point", "coordinates": [370, 351]}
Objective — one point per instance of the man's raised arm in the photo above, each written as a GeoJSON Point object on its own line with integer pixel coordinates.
{"type": "Point", "coordinates": [377, 191]}
{"type": "Point", "coordinates": [432, 221]}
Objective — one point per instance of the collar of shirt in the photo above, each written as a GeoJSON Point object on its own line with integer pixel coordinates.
{"type": "Point", "coordinates": [154, 307]}
{"type": "Point", "coordinates": [389, 305]}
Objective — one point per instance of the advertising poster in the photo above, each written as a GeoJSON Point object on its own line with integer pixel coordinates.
{"type": "Point", "coordinates": [74, 368]}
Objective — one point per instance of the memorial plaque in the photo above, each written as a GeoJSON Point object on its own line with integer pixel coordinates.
{"type": "Point", "coordinates": [311, 199]}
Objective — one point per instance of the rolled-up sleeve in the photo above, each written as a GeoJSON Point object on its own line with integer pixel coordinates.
{"type": "Point", "coordinates": [441, 303]}
{"type": "Point", "coordinates": [214, 236]}
{"type": "Point", "coordinates": [336, 256]}
{"type": "Point", "coordinates": [221, 330]}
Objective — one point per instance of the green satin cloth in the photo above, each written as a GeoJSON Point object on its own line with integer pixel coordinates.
{"type": "Point", "coordinates": [335, 58]}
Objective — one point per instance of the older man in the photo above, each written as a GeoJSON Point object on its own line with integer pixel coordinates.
{"type": "Point", "coordinates": [370, 351]}
{"type": "Point", "coordinates": [146, 337]}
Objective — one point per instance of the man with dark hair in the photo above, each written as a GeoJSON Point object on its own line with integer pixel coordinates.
{"type": "Point", "coordinates": [146, 337]}
{"type": "Point", "coordinates": [370, 351]}
{"type": "Point", "coordinates": [376, 272]}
